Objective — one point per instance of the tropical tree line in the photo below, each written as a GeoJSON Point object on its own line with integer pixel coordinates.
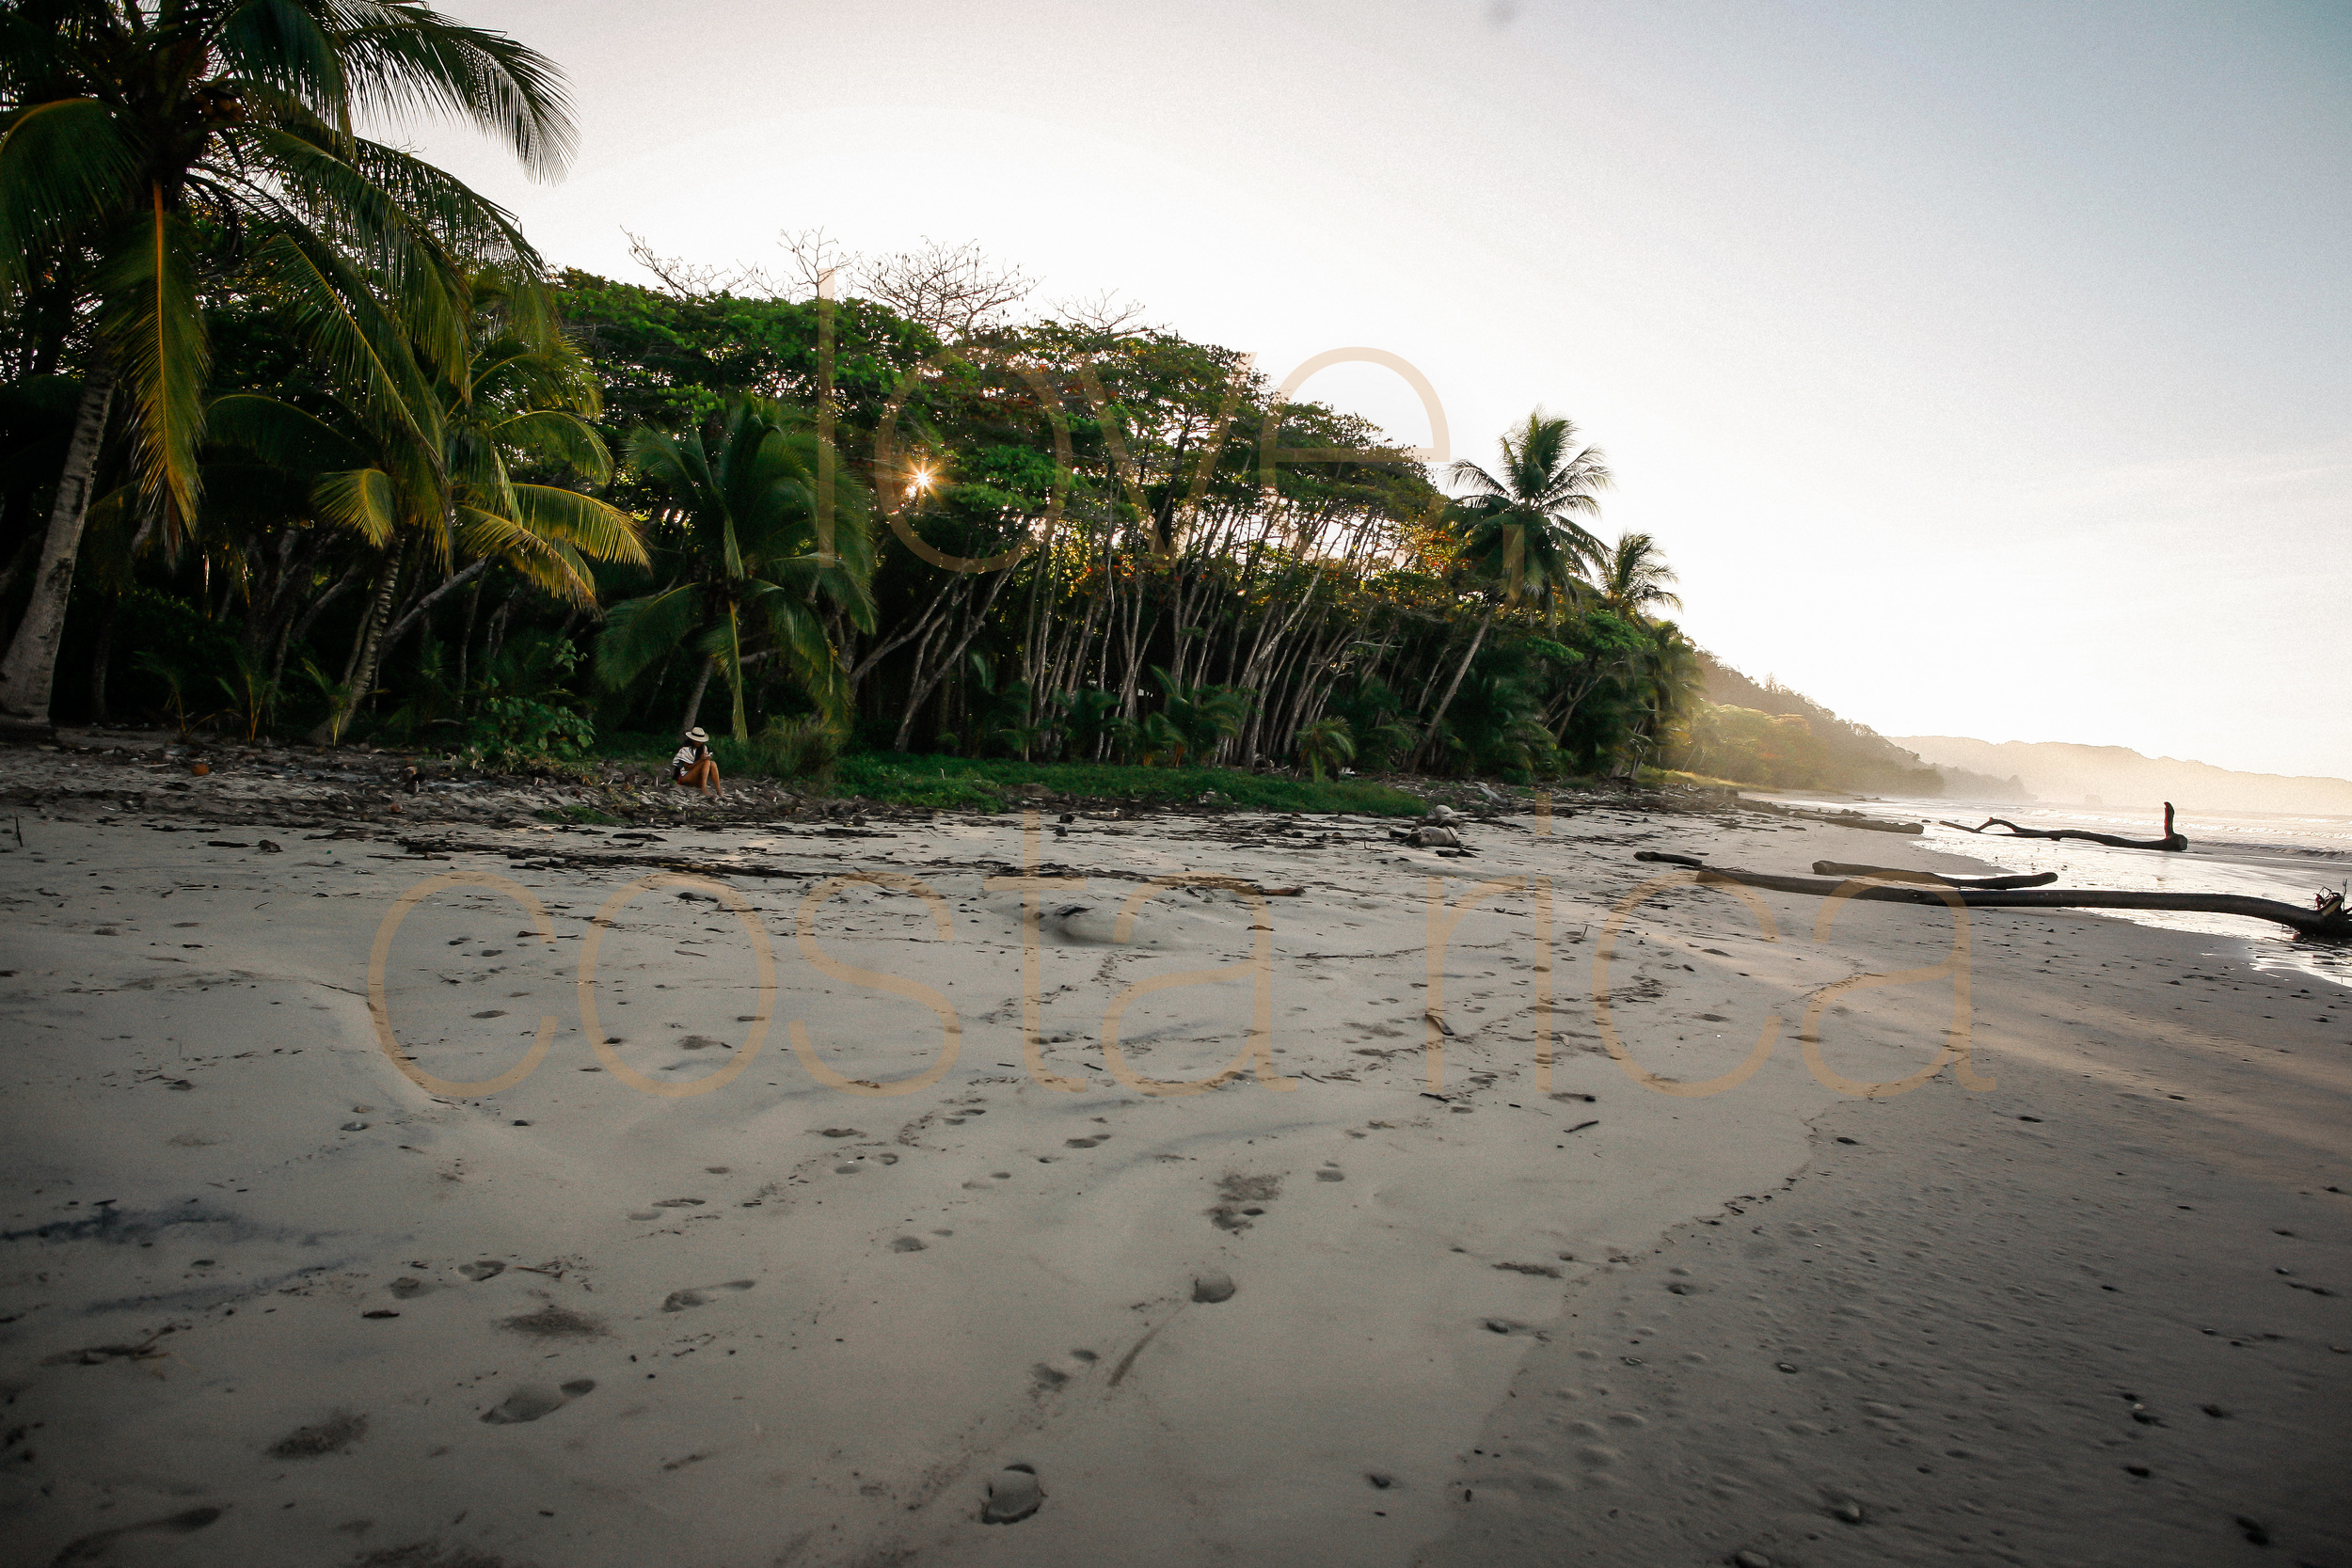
{"type": "Point", "coordinates": [300, 437]}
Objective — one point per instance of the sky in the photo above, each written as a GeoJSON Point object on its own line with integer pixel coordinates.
{"type": "Point", "coordinates": [1984, 369]}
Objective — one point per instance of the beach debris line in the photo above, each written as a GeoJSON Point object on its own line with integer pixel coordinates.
{"type": "Point", "coordinates": [1441, 830]}
{"type": "Point", "coordinates": [1847, 818]}
{"type": "Point", "coordinates": [2171, 840]}
{"type": "Point", "coordinates": [2326, 921]}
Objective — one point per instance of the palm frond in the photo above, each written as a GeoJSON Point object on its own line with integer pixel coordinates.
{"type": "Point", "coordinates": [559, 437]}
{"type": "Point", "coordinates": [157, 336]}
{"type": "Point", "coordinates": [280, 434]}
{"type": "Point", "coordinates": [545, 562]}
{"type": "Point", "coordinates": [597, 529]}
{"type": "Point", "coordinates": [361, 499]}
{"type": "Point", "coordinates": [638, 632]}
{"type": "Point", "coordinates": [61, 165]}
{"type": "Point", "coordinates": [400, 57]}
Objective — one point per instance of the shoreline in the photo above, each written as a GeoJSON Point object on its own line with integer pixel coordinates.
{"type": "Point", "coordinates": [1375, 1236]}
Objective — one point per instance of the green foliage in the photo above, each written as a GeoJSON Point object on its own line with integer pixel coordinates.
{"type": "Point", "coordinates": [752, 558]}
{"type": "Point", "coordinates": [805, 747]}
{"type": "Point", "coordinates": [997, 785]}
{"type": "Point", "coordinates": [1327, 743]}
{"type": "Point", "coordinates": [524, 712]}
{"type": "Point", "coordinates": [1774, 750]}
{"type": "Point", "coordinates": [1194, 719]}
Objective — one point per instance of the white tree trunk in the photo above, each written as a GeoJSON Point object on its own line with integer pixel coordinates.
{"type": "Point", "coordinates": [29, 671]}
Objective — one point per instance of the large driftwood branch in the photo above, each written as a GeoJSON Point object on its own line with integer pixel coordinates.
{"type": "Point", "coordinates": [1932, 879]}
{"type": "Point", "coordinates": [2326, 921]}
{"type": "Point", "coordinates": [2171, 840]}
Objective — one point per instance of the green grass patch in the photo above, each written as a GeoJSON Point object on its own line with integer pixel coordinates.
{"type": "Point", "coordinates": [986, 784]}
{"type": "Point", "coordinates": [996, 783]}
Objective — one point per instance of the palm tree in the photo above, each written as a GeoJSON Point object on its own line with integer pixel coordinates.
{"type": "Point", "coordinates": [1196, 720]}
{"type": "Point", "coordinates": [1633, 578]}
{"type": "Point", "coordinates": [743, 517]}
{"type": "Point", "coordinates": [421, 468]}
{"type": "Point", "coordinates": [1519, 529]}
{"type": "Point", "coordinates": [1667, 683]}
{"type": "Point", "coordinates": [1327, 742]}
{"type": "Point", "coordinates": [146, 145]}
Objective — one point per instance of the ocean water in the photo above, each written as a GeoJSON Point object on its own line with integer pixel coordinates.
{"type": "Point", "coordinates": [2263, 855]}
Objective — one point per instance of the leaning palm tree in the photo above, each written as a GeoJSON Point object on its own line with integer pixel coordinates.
{"type": "Point", "coordinates": [1517, 531]}
{"type": "Point", "coordinates": [1666, 684]}
{"type": "Point", "coordinates": [145, 144]}
{"type": "Point", "coordinates": [737, 522]}
{"type": "Point", "coordinates": [1633, 578]}
{"type": "Point", "coordinates": [427, 472]}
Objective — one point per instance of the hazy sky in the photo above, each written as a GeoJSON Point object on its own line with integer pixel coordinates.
{"type": "Point", "coordinates": [1985, 369]}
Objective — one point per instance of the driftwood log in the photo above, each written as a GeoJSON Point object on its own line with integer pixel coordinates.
{"type": "Point", "coordinates": [2171, 840]}
{"type": "Point", "coordinates": [2325, 921]}
{"type": "Point", "coordinates": [1931, 879]}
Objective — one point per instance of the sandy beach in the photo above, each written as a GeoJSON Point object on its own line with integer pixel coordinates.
{"type": "Point", "coordinates": [1397, 1292]}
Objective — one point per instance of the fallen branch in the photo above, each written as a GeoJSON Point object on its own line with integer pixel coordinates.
{"type": "Point", "coordinates": [2326, 921]}
{"type": "Point", "coordinates": [1931, 879]}
{"type": "Point", "coordinates": [2170, 841]}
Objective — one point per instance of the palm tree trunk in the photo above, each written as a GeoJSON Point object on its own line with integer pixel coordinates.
{"type": "Point", "coordinates": [694, 699]}
{"type": "Point", "coordinates": [330, 729]}
{"type": "Point", "coordinates": [99, 658]}
{"type": "Point", "coordinates": [1430, 739]}
{"type": "Point", "coordinates": [31, 667]}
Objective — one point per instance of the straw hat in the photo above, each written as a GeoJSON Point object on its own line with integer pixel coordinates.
{"type": "Point", "coordinates": [698, 736]}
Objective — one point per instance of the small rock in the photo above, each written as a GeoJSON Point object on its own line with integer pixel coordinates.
{"type": "Point", "coordinates": [1213, 1286]}
{"type": "Point", "coordinates": [1012, 1495]}
{"type": "Point", "coordinates": [906, 1243]}
{"type": "Point", "coordinates": [355, 1127]}
{"type": "Point", "coordinates": [1751, 1559]}
{"type": "Point", "coordinates": [1380, 1480]}
{"type": "Point", "coordinates": [1785, 1367]}
{"type": "Point", "coordinates": [1849, 1511]}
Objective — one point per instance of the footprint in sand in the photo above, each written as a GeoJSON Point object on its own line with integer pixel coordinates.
{"type": "Point", "coordinates": [1241, 1198]}
{"type": "Point", "coordinates": [1212, 1286]}
{"type": "Point", "coordinates": [701, 1295]}
{"type": "Point", "coordinates": [334, 1434]}
{"type": "Point", "coordinates": [555, 1322]}
{"type": "Point", "coordinates": [535, 1400]}
{"type": "Point", "coordinates": [1013, 1494]}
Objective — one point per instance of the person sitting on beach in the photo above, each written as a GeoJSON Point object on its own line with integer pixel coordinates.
{"type": "Point", "coordinates": [695, 766]}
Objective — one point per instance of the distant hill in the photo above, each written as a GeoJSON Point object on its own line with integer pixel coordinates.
{"type": "Point", "coordinates": [1762, 733]}
{"type": "Point", "coordinates": [2064, 774]}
